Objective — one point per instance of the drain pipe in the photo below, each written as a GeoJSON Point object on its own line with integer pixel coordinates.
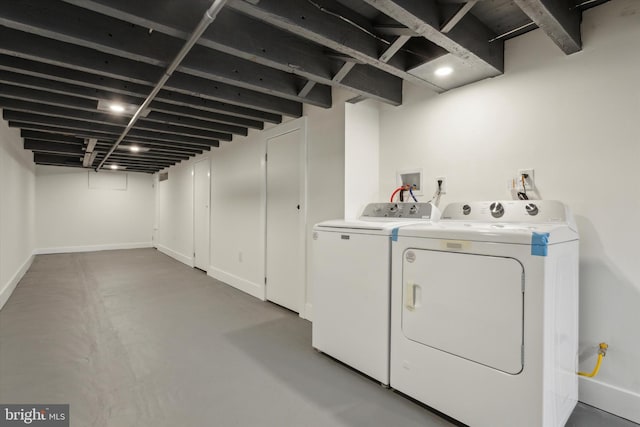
{"type": "Point", "coordinates": [207, 19]}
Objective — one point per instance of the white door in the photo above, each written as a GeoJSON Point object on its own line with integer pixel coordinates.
{"type": "Point", "coordinates": [467, 305]}
{"type": "Point", "coordinates": [284, 234]}
{"type": "Point", "coordinates": [201, 197]}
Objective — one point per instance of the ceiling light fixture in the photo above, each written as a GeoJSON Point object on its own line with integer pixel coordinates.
{"type": "Point", "coordinates": [114, 167]}
{"type": "Point", "coordinates": [116, 108]}
{"type": "Point", "coordinates": [443, 71]}
{"type": "Point", "coordinates": [134, 149]}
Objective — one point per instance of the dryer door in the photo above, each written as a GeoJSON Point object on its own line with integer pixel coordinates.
{"type": "Point", "coordinates": [470, 306]}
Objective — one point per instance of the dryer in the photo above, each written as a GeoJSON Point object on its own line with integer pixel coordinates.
{"type": "Point", "coordinates": [485, 313]}
{"type": "Point", "coordinates": [351, 281]}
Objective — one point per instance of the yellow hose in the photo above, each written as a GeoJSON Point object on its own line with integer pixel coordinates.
{"type": "Point", "coordinates": [601, 353]}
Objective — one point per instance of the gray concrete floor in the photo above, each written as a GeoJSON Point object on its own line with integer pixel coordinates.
{"type": "Point", "coordinates": [134, 338]}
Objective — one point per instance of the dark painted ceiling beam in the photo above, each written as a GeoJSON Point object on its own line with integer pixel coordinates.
{"type": "Point", "coordinates": [468, 39]}
{"type": "Point", "coordinates": [158, 148]}
{"type": "Point", "coordinates": [53, 52]}
{"type": "Point", "coordinates": [137, 162]}
{"type": "Point", "coordinates": [155, 116]}
{"type": "Point", "coordinates": [13, 105]}
{"type": "Point", "coordinates": [264, 44]}
{"type": "Point", "coordinates": [150, 156]}
{"type": "Point", "coordinates": [52, 147]}
{"type": "Point", "coordinates": [51, 137]}
{"type": "Point", "coordinates": [41, 122]}
{"type": "Point", "coordinates": [559, 19]}
{"type": "Point", "coordinates": [61, 134]}
{"type": "Point", "coordinates": [453, 21]}
{"type": "Point", "coordinates": [129, 164]}
{"type": "Point", "coordinates": [116, 38]}
{"type": "Point", "coordinates": [79, 165]}
{"type": "Point", "coordinates": [106, 118]}
{"type": "Point", "coordinates": [20, 95]}
{"type": "Point", "coordinates": [153, 148]}
{"type": "Point", "coordinates": [306, 20]}
{"type": "Point", "coordinates": [56, 93]}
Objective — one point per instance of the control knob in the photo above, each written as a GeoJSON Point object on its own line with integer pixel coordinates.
{"type": "Point", "coordinates": [466, 209]}
{"type": "Point", "coordinates": [497, 210]}
{"type": "Point", "coordinates": [532, 209]}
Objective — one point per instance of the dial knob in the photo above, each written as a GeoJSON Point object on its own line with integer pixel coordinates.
{"type": "Point", "coordinates": [466, 209]}
{"type": "Point", "coordinates": [497, 210]}
{"type": "Point", "coordinates": [531, 209]}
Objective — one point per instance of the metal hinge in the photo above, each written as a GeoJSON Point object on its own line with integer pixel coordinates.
{"type": "Point", "coordinates": [265, 280]}
{"type": "Point", "coordinates": [265, 157]}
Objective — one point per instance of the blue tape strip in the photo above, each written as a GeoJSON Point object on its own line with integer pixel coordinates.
{"type": "Point", "coordinates": [539, 244]}
{"type": "Point", "coordinates": [394, 234]}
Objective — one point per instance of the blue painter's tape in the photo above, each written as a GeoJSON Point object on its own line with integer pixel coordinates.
{"type": "Point", "coordinates": [539, 244]}
{"type": "Point", "coordinates": [394, 234]}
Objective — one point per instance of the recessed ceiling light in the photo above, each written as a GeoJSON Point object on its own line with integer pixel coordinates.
{"type": "Point", "coordinates": [114, 167]}
{"type": "Point", "coordinates": [443, 71]}
{"type": "Point", "coordinates": [116, 108]}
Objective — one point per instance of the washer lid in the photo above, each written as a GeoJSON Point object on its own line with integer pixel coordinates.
{"type": "Point", "coordinates": [525, 234]}
{"type": "Point", "coordinates": [373, 226]}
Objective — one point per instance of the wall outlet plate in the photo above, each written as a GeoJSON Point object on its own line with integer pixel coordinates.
{"type": "Point", "coordinates": [443, 185]}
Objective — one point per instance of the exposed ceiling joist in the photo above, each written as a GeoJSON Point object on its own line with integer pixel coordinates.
{"type": "Point", "coordinates": [54, 52]}
{"type": "Point", "coordinates": [123, 40]}
{"type": "Point", "coordinates": [559, 19]}
{"type": "Point", "coordinates": [306, 20]}
{"type": "Point", "coordinates": [52, 147]}
{"type": "Point", "coordinates": [464, 9]}
{"type": "Point", "coordinates": [20, 110]}
{"type": "Point", "coordinates": [178, 104]}
{"type": "Point", "coordinates": [264, 44]}
{"type": "Point", "coordinates": [78, 127]}
{"type": "Point", "coordinates": [468, 39]}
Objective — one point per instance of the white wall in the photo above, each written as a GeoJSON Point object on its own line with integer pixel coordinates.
{"type": "Point", "coordinates": [361, 156]}
{"type": "Point", "coordinates": [237, 196]}
{"type": "Point", "coordinates": [576, 121]}
{"type": "Point", "coordinates": [73, 217]}
{"type": "Point", "coordinates": [17, 210]}
{"type": "Point", "coordinates": [175, 227]}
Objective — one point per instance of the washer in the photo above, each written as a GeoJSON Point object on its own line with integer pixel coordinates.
{"type": "Point", "coordinates": [351, 279]}
{"type": "Point", "coordinates": [485, 313]}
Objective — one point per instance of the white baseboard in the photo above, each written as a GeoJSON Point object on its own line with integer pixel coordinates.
{"type": "Point", "coordinates": [254, 289]}
{"type": "Point", "coordinates": [308, 312]}
{"type": "Point", "coordinates": [10, 286]}
{"type": "Point", "coordinates": [176, 255]}
{"type": "Point", "coordinates": [92, 248]}
{"type": "Point", "coordinates": [618, 401]}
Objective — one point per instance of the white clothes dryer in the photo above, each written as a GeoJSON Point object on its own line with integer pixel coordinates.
{"type": "Point", "coordinates": [351, 284]}
{"type": "Point", "coordinates": [485, 313]}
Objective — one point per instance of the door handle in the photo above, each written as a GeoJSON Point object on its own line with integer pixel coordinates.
{"type": "Point", "coordinates": [410, 296]}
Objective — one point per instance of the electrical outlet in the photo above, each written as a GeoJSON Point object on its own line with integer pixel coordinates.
{"type": "Point", "coordinates": [529, 181]}
{"type": "Point", "coordinates": [442, 181]}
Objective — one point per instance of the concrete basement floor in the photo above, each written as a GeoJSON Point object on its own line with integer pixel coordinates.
{"type": "Point", "coordinates": [135, 338]}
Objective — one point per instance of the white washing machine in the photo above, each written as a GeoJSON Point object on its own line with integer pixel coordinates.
{"type": "Point", "coordinates": [485, 313]}
{"type": "Point", "coordinates": [351, 280]}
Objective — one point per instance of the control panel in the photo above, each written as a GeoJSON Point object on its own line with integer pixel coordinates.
{"type": "Point", "coordinates": [532, 211]}
{"type": "Point", "coordinates": [398, 210]}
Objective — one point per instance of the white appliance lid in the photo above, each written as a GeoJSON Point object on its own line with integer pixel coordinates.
{"type": "Point", "coordinates": [524, 234]}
